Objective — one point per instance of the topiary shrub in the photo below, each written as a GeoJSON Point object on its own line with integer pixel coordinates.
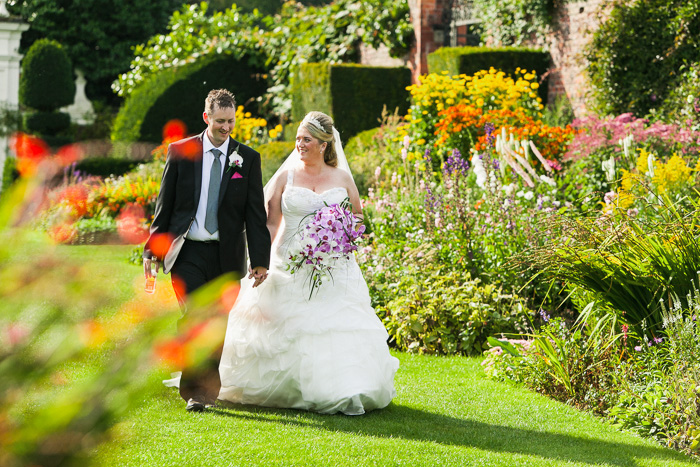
{"type": "Point", "coordinates": [354, 95]}
{"type": "Point", "coordinates": [46, 82]}
{"type": "Point", "coordinates": [47, 123]}
{"type": "Point", "coordinates": [469, 60]}
{"type": "Point", "coordinates": [179, 93]}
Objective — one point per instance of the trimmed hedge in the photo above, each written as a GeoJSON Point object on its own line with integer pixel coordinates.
{"type": "Point", "coordinates": [362, 160]}
{"type": "Point", "coordinates": [354, 95]}
{"type": "Point", "coordinates": [469, 60]}
{"type": "Point", "coordinates": [272, 155]}
{"type": "Point", "coordinates": [46, 82]}
{"type": "Point", "coordinates": [179, 93]}
{"type": "Point", "coordinates": [47, 123]}
{"type": "Point", "coordinates": [106, 166]}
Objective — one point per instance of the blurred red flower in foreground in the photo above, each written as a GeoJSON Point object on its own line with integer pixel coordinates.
{"type": "Point", "coordinates": [160, 244]}
{"type": "Point", "coordinates": [69, 154]}
{"type": "Point", "coordinates": [229, 296]}
{"type": "Point", "coordinates": [174, 130]}
{"type": "Point", "coordinates": [130, 224]}
{"type": "Point", "coordinates": [29, 150]}
{"type": "Point", "coordinates": [172, 352]}
{"type": "Point", "coordinates": [63, 232]}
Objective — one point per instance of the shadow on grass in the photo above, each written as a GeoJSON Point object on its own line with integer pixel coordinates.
{"type": "Point", "coordinates": [419, 425]}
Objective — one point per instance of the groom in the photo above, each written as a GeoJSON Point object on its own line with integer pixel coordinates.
{"type": "Point", "coordinates": [210, 203]}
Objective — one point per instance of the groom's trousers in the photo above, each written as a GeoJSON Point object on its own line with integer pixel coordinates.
{"type": "Point", "coordinates": [196, 265]}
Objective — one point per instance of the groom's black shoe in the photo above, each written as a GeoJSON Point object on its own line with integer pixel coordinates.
{"type": "Point", "coordinates": [194, 406]}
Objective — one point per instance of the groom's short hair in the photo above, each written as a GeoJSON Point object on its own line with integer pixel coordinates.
{"type": "Point", "coordinates": [219, 98]}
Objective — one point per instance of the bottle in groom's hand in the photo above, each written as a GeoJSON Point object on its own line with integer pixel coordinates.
{"type": "Point", "coordinates": [151, 278]}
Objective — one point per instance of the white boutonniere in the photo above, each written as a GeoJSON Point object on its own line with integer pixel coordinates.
{"type": "Point", "coordinates": [235, 159]}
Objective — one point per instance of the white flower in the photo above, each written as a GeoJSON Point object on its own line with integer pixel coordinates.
{"type": "Point", "coordinates": [235, 159]}
{"type": "Point", "coordinates": [478, 167]}
{"type": "Point", "coordinates": [549, 181]}
{"type": "Point", "coordinates": [529, 195]}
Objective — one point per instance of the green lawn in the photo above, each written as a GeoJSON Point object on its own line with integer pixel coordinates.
{"type": "Point", "coordinates": [446, 413]}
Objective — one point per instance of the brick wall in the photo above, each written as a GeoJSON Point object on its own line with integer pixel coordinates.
{"type": "Point", "coordinates": [574, 24]}
{"type": "Point", "coordinates": [425, 16]}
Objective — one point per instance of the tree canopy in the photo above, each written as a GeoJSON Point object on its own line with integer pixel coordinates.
{"type": "Point", "coordinates": [101, 35]}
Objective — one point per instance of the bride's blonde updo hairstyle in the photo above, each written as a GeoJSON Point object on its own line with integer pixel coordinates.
{"type": "Point", "coordinates": [320, 126]}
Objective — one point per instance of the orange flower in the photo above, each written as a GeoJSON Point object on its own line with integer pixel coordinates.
{"type": "Point", "coordinates": [172, 352]}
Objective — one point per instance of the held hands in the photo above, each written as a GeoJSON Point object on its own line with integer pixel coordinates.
{"type": "Point", "coordinates": [259, 273]}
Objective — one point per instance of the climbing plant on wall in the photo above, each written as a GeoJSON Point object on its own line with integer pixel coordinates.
{"type": "Point", "coordinates": [514, 22]}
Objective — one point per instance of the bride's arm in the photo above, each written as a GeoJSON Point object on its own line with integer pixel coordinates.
{"type": "Point", "coordinates": [274, 207]}
{"type": "Point", "coordinates": [354, 195]}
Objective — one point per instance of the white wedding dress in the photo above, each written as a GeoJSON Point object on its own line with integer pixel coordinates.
{"type": "Point", "coordinates": [327, 353]}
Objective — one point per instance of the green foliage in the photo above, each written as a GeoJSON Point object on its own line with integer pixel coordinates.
{"type": "Point", "coordinates": [362, 158]}
{"type": "Point", "coordinates": [683, 102]}
{"type": "Point", "coordinates": [46, 123]}
{"type": "Point", "coordinates": [11, 120]}
{"type": "Point", "coordinates": [514, 22]}
{"type": "Point", "coordinates": [470, 60]}
{"type": "Point", "coordinates": [368, 91]}
{"type": "Point", "coordinates": [97, 35]}
{"type": "Point", "coordinates": [280, 43]}
{"type": "Point", "coordinates": [655, 385]}
{"type": "Point", "coordinates": [184, 99]}
{"type": "Point", "coordinates": [627, 263]}
{"type": "Point", "coordinates": [192, 33]}
{"type": "Point", "coordinates": [445, 312]}
{"type": "Point", "coordinates": [57, 317]}
{"type": "Point", "coordinates": [273, 154]}
{"type": "Point", "coordinates": [635, 56]}
{"type": "Point", "coordinates": [573, 365]}
{"type": "Point", "coordinates": [105, 166]}
{"type": "Point", "coordinates": [46, 81]}
{"type": "Point", "coordinates": [95, 231]}
{"type": "Point", "coordinates": [558, 113]}
{"type": "Point", "coordinates": [179, 93]}
{"type": "Point", "coordinates": [266, 7]}
{"type": "Point", "coordinates": [9, 173]}
{"type": "Point", "coordinates": [311, 90]}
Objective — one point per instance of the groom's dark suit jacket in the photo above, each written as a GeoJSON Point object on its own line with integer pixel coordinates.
{"type": "Point", "coordinates": [241, 211]}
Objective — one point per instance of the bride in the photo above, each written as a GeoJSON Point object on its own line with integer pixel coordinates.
{"type": "Point", "coordinates": [323, 351]}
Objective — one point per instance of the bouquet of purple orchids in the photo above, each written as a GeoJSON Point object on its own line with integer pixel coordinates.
{"type": "Point", "coordinates": [330, 234]}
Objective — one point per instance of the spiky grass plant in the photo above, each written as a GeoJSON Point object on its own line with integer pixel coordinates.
{"type": "Point", "coordinates": [627, 263]}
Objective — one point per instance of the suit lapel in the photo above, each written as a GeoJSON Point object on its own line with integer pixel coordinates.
{"type": "Point", "coordinates": [232, 145]}
{"type": "Point", "coordinates": [198, 163]}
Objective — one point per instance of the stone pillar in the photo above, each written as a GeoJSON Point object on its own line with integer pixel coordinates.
{"type": "Point", "coordinates": [11, 29]}
{"type": "Point", "coordinates": [428, 20]}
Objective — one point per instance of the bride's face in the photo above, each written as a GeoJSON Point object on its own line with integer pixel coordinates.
{"type": "Point", "coordinates": [307, 146]}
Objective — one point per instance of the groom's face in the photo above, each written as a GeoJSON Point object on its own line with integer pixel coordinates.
{"type": "Point", "coordinates": [220, 123]}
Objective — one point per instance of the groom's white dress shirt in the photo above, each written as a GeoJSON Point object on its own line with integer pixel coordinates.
{"type": "Point", "coordinates": [197, 231]}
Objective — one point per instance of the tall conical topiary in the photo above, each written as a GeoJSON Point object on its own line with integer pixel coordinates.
{"type": "Point", "coordinates": [45, 85]}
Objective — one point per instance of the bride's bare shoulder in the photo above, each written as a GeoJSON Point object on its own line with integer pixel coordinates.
{"type": "Point", "coordinates": [341, 175]}
{"type": "Point", "coordinates": [281, 180]}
